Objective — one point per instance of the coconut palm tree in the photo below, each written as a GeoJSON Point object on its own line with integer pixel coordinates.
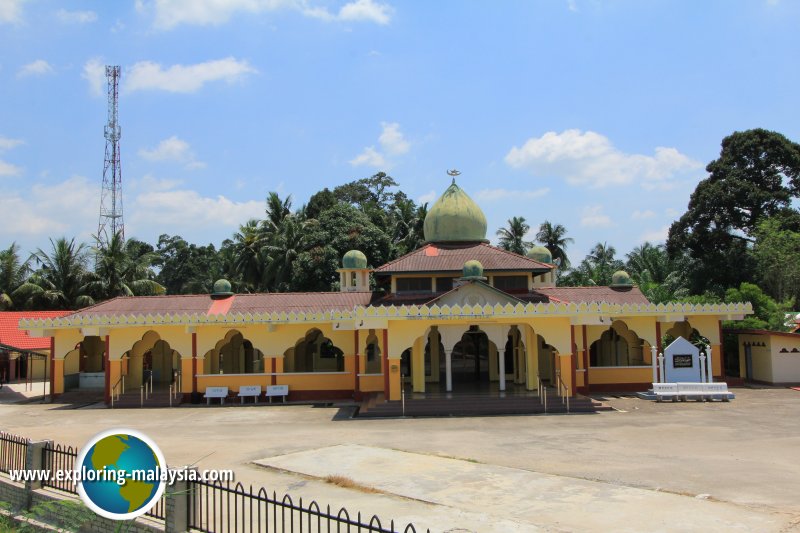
{"type": "Point", "coordinates": [248, 250]}
{"type": "Point", "coordinates": [282, 250]}
{"type": "Point", "coordinates": [60, 280]}
{"type": "Point", "coordinates": [123, 268]}
{"type": "Point", "coordinates": [13, 272]}
{"type": "Point", "coordinates": [553, 237]}
{"type": "Point", "coordinates": [512, 237]}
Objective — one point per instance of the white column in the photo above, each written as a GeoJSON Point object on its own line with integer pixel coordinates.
{"type": "Point", "coordinates": [502, 360]}
{"type": "Point", "coordinates": [661, 364]}
{"type": "Point", "coordinates": [448, 364]}
{"type": "Point", "coordinates": [654, 356]}
{"type": "Point", "coordinates": [702, 367]}
{"type": "Point", "coordinates": [710, 372]}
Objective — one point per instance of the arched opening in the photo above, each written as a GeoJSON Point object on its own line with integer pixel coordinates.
{"type": "Point", "coordinates": [617, 346]}
{"type": "Point", "coordinates": [373, 355]}
{"type": "Point", "coordinates": [469, 358]}
{"type": "Point", "coordinates": [314, 353]}
{"type": "Point", "coordinates": [84, 366]}
{"type": "Point", "coordinates": [150, 357]}
{"type": "Point", "coordinates": [684, 329]}
{"type": "Point", "coordinates": [547, 360]}
{"type": "Point", "coordinates": [234, 354]}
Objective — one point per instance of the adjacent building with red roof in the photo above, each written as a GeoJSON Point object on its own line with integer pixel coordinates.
{"type": "Point", "coordinates": [12, 366]}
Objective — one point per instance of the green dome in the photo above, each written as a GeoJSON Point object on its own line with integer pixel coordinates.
{"type": "Point", "coordinates": [354, 259]}
{"type": "Point", "coordinates": [472, 269]}
{"type": "Point", "coordinates": [455, 218]}
{"type": "Point", "coordinates": [620, 278]}
{"type": "Point", "coordinates": [222, 288]}
{"type": "Point", "coordinates": [541, 254]}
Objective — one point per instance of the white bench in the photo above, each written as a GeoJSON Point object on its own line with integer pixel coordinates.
{"type": "Point", "coordinates": [665, 390]}
{"type": "Point", "coordinates": [250, 391]}
{"type": "Point", "coordinates": [216, 392]}
{"type": "Point", "coordinates": [702, 391]}
{"type": "Point", "coordinates": [277, 391]}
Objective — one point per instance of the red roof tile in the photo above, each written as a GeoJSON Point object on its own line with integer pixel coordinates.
{"type": "Point", "coordinates": [11, 334]}
{"type": "Point", "coordinates": [436, 257]}
{"type": "Point", "coordinates": [610, 295]}
{"type": "Point", "coordinates": [240, 303]}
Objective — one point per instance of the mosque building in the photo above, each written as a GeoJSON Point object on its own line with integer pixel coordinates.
{"type": "Point", "coordinates": [455, 315]}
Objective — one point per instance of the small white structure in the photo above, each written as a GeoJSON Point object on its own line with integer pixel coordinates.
{"type": "Point", "coordinates": [769, 357]}
{"type": "Point", "coordinates": [683, 372]}
{"type": "Point", "coordinates": [216, 392]}
{"type": "Point", "coordinates": [250, 391]}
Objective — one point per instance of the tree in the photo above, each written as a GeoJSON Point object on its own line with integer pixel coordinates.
{"type": "Point", "coordinates": [767, 313]}
{"type": "Point", "coordinates": [553, 237]}
{"type": "Point", "coordinates": [596, 269]}
{"type": "Point", "coordinates": [777, 254]}
{"type": "Point", "coordinates": [756, 176]}
{"type": "Point", "coordinates": [249, 244]}
{"type": "Point", "coordinates": [283, 250]}
{"type": "Point", "coordinates": [13, 272]}
{"type": "Point", "coordinates": [512, 237]}
{"type": "Point", "coordinates": [60, 279]}
{"type": "Point", "coordinates": [338, 230]}
{"type": "Point", "coordinates": [123, 268]}
{"type": "Point", "coordinates": [186, 268]}
{"type": "Point", "coordinates": [277, 210]}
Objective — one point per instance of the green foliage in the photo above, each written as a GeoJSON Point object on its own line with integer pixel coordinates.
{"type": "Point", "coordinates": [512, 237]}
{"type": "Point", "coordinates": [756, 176]}
{"type": "Point", "coordinates": [777, 254]}
{"type": "Point", "coordinates": [123, 268]}
{"type": "Point", "coordinates": [553, 237]}
{"type": "Point", "coordinates": [767, 313]}
{"type": "Point", "coordinates": [596, 269]}
{"type": "Point", "coordinates": [13, 272]}
{"type": "Point", "coordinates": [60, 281]}
{"type": "Point", "coordinates": [186, 268]}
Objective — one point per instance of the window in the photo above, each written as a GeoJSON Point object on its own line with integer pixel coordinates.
{"type": "Point", "coordinates": [353, 279]}
{"type": "Point", "coordinates": [511, 282]}
{"type": "Point", "coordinates": [444, 284]}
{"type": "Point", "coordinates": [413, 284]}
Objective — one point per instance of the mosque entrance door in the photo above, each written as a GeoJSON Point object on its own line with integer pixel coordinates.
{"type": "Point", "coordinates": [470, 358]}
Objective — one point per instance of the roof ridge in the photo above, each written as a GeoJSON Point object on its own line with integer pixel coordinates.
{"type": "Point", "coordinates": [509, 252]}
{"type": "Point", "coordinates": [412, 252]}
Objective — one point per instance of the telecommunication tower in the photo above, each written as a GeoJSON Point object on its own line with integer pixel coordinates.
{"type": "Point", "coordinates": [111, 193]}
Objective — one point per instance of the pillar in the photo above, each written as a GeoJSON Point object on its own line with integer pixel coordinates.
{"type": "Point", "coordinates": [433, 338]}
{"type": "Point", "coordinates": [418, 365]}
{"type": "Point", "coordinates": [531, 359]}
{"type": "Point", "coordinates": [107, 369]}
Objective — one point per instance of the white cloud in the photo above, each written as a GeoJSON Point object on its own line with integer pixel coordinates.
{"type": "Point", "coordinates": [10, 11]}
{"type": "Point", "coordinates": [428, 197]}
{"type": "Point", "coordinates": [173, 149]}
{"type": "Point", "coordinates": [369, 157]}
{"type": "Point", "coordinates": [357, 11]}
{"type": "Point", "coordinates": [94, 71]}
{"type": "Point", "coordinates": [392, 142]}
{"type": "Point", "coordinates": [671, 212]}
{"type": "Point", "coordinates": [7, 169]}
{"type": "Point", "coordinates": [182, 210]}
{"type": "Point", "coordinates": [7, 143]}
{"type": "Point", "coordinates": [590, 159]}
{"type": "Point", "coordinates": [656, 236]}
{"type": "Point", "coordinates": [392, 139]}
{"type": "Point", "coordinates": [172, 13]}
{"type": "Point", "coordinates": [594, 217]}
{"type": "Point", "coordinates": [146, 75]}
{"type": "Point", "coordinates": [642, 215]}
{"type": "Point", "coordinates": [493, 195]}
{"type": "Point", "coordinates": [51, 210]}
{"type": "Point", "coordinates": [76, 17]}
{"type": "Point", "coordinates": [40, 67]}
{"type": "Point", "coordinates": [572, 6]}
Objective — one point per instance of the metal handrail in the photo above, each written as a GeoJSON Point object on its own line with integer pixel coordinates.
{"type": "Point", "coordinates": [115, 389]}
{"type": "Point", "coordinates": [542, 393]}
{"type": "Point", "coordinates": [563, 391]}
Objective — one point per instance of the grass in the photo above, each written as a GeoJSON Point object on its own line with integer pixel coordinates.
{"type": "Point", "coordinates": [349, 483]}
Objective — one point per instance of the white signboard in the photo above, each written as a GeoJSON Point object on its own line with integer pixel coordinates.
{"type": "Point", "coordinates": [682, 362]}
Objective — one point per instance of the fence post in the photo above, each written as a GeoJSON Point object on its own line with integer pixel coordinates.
{"type": "Point", "coordinates": [34, 460]}
{"type": "Point", "coordinates": [178, 498]}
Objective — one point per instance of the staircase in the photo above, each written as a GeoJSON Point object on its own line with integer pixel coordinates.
{"type": "Point", "coordinates": [157, 398]}
{"type": "Point", "coordinates": [477, 405]}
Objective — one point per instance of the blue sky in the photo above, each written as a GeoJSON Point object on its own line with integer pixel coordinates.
{"type": "Point", "coordinates": [597, 115]}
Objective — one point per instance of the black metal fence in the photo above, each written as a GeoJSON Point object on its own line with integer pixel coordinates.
{"type": "Point", "coordinates": [219, 507]}
{"type": "Point", "coordinates": [13, 451]}
{"type": "Point", "coordinates": [57, 459]}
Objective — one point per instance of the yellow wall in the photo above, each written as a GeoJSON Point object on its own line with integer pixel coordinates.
{"type": "Point", "coordinates": [612, 375]}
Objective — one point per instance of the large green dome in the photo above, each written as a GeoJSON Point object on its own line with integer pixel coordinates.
{"type": "Point", "coordinates": [354, 259]}
{"type": "Point", "coordinates": [455, 217]}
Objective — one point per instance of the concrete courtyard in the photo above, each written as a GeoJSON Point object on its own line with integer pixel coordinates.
{"type": "Point", "coordinates": [645, 467]}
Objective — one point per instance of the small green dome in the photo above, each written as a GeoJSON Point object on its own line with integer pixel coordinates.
{"type": "Point", "coordinates": [620, 278]}
{"type": "Point", "coordinates": [541, 254]}
{"type": "Point", "coordinates": [354, 259]}
{"type": "Point", "coordinates": [472, 269]}
{"type": "Point", "coordinates": [222, 289]}
{"type": "Point", "coordinates": [455, 217]}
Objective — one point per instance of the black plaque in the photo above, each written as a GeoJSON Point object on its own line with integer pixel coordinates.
{"type": "Point", "coordinates": [680, 360]}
